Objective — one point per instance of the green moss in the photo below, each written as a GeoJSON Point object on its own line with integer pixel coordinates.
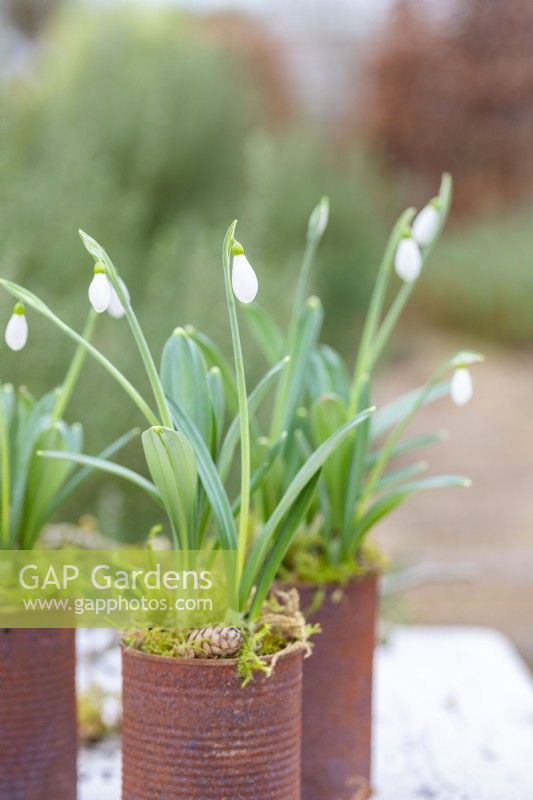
{"type": "Point", "coordinates": [281, 626]}
{"type": "Point", "coordinates": [251, 656]}
{"type": "Point", "coordinates": [308, 562]}
{"type": "Point", "coordinates": [167, 642]}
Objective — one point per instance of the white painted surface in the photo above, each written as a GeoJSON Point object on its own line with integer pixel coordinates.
{"type": "Point", "coordinates": [453, 720]}
{"type": "Point", "coordinates": [454, 717]}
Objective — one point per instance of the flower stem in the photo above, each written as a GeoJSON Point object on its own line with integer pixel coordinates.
{"type": "Point", "coordinates": [243, 405]}
{"type": "Point", "coordinates": [374, 311]}
{"type": "Point", "coordinates": [73, 372]}
{"type": "Point", "coordinates": [142, 344]}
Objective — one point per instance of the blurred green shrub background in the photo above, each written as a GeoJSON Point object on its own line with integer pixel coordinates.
{"type": "Point", "coordinates": [153, 129]}
{"type": "Point", "coordinates": [150, 133]}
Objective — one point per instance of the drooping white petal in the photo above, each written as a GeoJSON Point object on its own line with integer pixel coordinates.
{"type": "Point", "coordinates": [115, 307]}
{"type": "Point", "coordinates": [426, 225]}
{"type": "Point", "coordinates": [243, 279]}
{"type": "Point", "coordinates": [461, 388]}
{"type": "Point", "coordinates": [100, 292]}
{"type": "Point", "coordinates": [16, 334]}
{"type": "Point", "coordinates": [408, 260]}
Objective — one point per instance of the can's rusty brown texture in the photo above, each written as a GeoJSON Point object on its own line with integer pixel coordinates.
{"type": "Point", "coordinates": [37, 715]}
{"type": "Point", "coordinates": [337, 693]}
{"type": "Point", "coordinates": [191, 732]}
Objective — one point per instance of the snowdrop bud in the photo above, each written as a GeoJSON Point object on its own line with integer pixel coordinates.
{"type": "Point", "coordinates": [461, 389]}
{"type": "Point", "coordinates": [318, 221]}
{"type": "Point", "coordinates": [100, 289]}
{"type": "Point", "coordinates": [16, 334]}
{"type": "Point", "coordinates": [243, 278]}
{"type": "Point", "coordinates": [115, 307]}
{"type": "Point", "coordinates": [426, 225]}
{"type": "Point", "coordinates": [408, 261]}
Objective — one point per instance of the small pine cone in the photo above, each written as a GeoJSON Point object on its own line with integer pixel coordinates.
{"type": "Point", "coordinates": [213, 642]}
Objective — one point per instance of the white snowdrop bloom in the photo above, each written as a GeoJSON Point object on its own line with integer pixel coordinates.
{"type": "Point", "coordinates": [461, 388]}
{"type": "Point", "coordinates": [408, 260]}
{"type": "Point", "coordinates": [100, 290]}
{"type": "Point", "coordinates": [243, 279]}
{"type": "Point", "coordinates": [318, 221]}
{"type": "Point", "coordinates": [16, 334]}
{"type": "Point", "coordinates": [115, 307]}
{"type": "Point", "coordinates": [426, 225]}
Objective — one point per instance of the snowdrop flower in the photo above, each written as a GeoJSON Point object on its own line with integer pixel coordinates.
{"type": "Point", "coordinates": [243, 278]}
{"type": "Point", "coordinates": [408, 260]}
{"type": "Point", "coordinates": [426, 224]}
{"type": "Point", "coordinates": [16, 334]}
{"type": "Point", "coordinates": [318, 221]}
{"type": "Point", "coordinates": [100, 289]}
{"type": "Point", "coordinates": [461, 388]}
{"type": "Point", "coordinates": [115, 307]}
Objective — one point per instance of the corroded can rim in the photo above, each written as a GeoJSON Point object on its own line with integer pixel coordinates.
{"type": "Point", "coordinates": [295, 649]}
{"type": "Point", "coordinates": [371, 575]}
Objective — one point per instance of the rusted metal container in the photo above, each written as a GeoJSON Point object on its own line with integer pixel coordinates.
{"type": "Point", "coordinates": [337, 693]}
{"type": "Point", "coordinates": [37, 715]}
{"type": "Point", "coordinates": [191, 732]}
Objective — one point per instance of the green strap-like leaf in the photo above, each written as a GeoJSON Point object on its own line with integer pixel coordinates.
{"type": "Point", "coordinates": [400, 475]}
{"type": "Point", "coordinates": [184, 378]}
{"type": "Point", "coordinates": [255, 398]}
{"type": "Point", "coordinates": [292, 384]}
{"type": "Point", "coordinates": [264, 540]}
{"type": "Point", "coordinates": [172, 464]}
{"type": "Point", "coordinates": [388, 502]}
{"type": "Point", "coordinates": [282, 541]}
{"type": "Point", "coordinates": [356, 469]}
{"type": "Point", "coordinates": [76, 481]}
{"type": "Point", "coordinates": [265, 331]}
{"type": "Point", "coordinates": [93, 462]}
{"type": "Point", "coordinates": [215, 358]}
{"type": "Point", "coordinates": [259, 475]}
{"type": "Point", "coordinates": [218, 406]}
{"type": "Point", "coordinates": [389, 415]}
{"type": "Point", "coordinates": [410, 445]}
{"type": "Point", "coordinates": [210, 478]}
{"type": "Point", "coordinates": [44, 480]}
{"type": "Point", "coordinates": [327, 415]}
{"type": "Point", "coordinates": [328, 374]}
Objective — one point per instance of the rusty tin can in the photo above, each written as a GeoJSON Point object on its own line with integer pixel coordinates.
{"type": "Point", "coordinates": [37, 715]}
{"type": "Point", "coordinates": [191, 732]}
{"type": "Point", "coordinates": [337, 693]}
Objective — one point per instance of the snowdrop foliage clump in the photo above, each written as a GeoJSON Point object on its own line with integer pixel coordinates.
{"type": "Point", "coordinates": [189, 446]}
{"type": "Point", "coordinates": [361, 483]}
